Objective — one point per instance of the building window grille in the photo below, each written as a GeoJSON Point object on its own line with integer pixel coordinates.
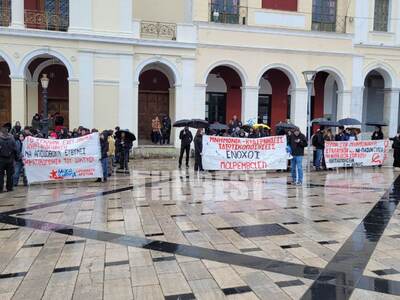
{"type": "Point", "coordinates": [324, 15]}
{"type": "Point", "coordinates": [225, 11]}
{"type": "Point", "coordinates": [49, 15]}
{"type": "Point", "coordinates": [381, 15]}
{"type": "Point", "coordinates": [5, 12]}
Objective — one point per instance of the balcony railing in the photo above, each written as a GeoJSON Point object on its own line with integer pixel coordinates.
{"type": "Point", "coordinates": [5, 17]}
{"type": "Point", "coordinates": [231, 14]}
{"type": "Point", "coordinates": [45, 20]}
{"type": "Point", "coordinates": [329, 23]}
{"type": "Point", "coordinates": [158, 30]}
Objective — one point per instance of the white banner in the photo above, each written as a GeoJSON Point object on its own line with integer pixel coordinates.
{"type": "Point", "coordinates": [52, 160]}
{"type": "Point", "coordinates": [356, 153]}
{"type": "Point", "coordinates": [227, 153]}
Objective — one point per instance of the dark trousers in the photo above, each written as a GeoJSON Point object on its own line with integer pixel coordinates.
{"type": "Point", "coordinates": [6, 168]}
{"type": "Point", "coordinates": [18, 170]}
{"type": "Point", "coordinates": [198, 164]}
{"type": "Point", "coordinates": [183, 150]}
{"type": "Point", "coordinates": [123, 159]}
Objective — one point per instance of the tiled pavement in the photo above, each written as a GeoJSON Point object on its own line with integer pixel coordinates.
{"type": "Point", "coordinates": [173, 234]}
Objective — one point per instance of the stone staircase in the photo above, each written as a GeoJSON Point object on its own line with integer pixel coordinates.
{"type": "Point", "coordinates": [154, 151]}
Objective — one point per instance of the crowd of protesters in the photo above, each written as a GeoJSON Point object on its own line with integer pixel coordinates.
{"type": "Point", "coordinates": [115, 146]}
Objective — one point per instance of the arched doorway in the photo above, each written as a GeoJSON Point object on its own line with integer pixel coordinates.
{"type": "Point", "coordinates": [58, 89]}
{"type": "Point", "coordinates": [374, 99]}
{"type": "Point", "coordinates": [5, 93]}
{"type": "Point", "coordinates": [223, 95]}
{"type": "Point", "coordinates": [155, 98]}
{"type": "Point", "coordinates": [274, 98]}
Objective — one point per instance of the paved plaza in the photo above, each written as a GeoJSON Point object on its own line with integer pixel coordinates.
{"type": "Point", "coordinates": [174, 234]}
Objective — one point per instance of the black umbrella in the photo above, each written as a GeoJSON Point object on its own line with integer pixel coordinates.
{"type": "Point", "coordinates": [329, 124]}
{"type": "Point", "coordinates": [247, 127]}
{"type": "Point", "coordinates": [129, 135]}
{"type": "Point", "coordinates": [377, 124]}
{"type": "Point", "coordinates": [219, 126]}
{"type": "Point", "coordinates": [285, 125]}
{"type": "Point", "coordinates": [349, 122]}
{"type": "Point", "coordinates": [198, 123]}
{"type": "Point", "coordinates": [319, 120]}
{"type": "Point", "coordinates": [182, 123]}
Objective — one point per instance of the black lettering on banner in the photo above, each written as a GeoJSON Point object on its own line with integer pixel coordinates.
{"type": "Point", "coordinates": [230, 154]}
{"type": "Point", "coordinates": [27, 153]}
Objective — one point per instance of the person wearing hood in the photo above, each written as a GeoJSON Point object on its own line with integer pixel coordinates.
{"type": "Point", "coordinates": [8, 152]}
{"type": "Point", "coordinates": [198, 149]}
{"type": "Point", "coordinates": [36, 122]}
{"type": "Point", "coordinates": [186, 138]}
{"type": "Point", "coordinates": [16, 129]}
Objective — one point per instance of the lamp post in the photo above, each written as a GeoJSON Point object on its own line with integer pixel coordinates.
{"type": "Point", "coordinates": [45, 121]}
{"type": "Point", "coordinates": [309, 77]}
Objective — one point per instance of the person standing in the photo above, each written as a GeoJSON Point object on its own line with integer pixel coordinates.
{"type": "Point", "coordinates": [19, 164]}
{"type": "Point", "coordinates": [198, 149]}
{"type": "Point", "coordinates": [8, 152]}
{"type": "Point", "coordinates": [186, 138]}
{"type": "Point", "coordinates": [297, 144]}
{"type": "Point", "coordinates": [156, 130]}
{"type": "Point", "coordinates": [166, 129]}
{"type": "Point", "coordinates": [111, 152]}
{"type": "Point", "coordinates": [124, 147]}
{"type": "Point", "coordinates": [104, 155]}
{"type": "Point", "coordinates": [16, 130]}
{"type": "Point", "coordinates": [378, 134]}
{"type": "Point", "coordinates": [396, 152]}
{"type": "Point", "coordinates": [319, 144]}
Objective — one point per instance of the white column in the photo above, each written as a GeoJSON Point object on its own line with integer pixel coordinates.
{"type": "Point", "coordinates": [74, 103]}
{"type": "Point", "coordinates": [357, 102]}
{"type": "Point", "coordinates": [361, 21]}
{"type": "Point", "coordinates": [396, 20]}
{"type": "Point", "coordinates": [135, 111]}
{"type": "Point", "coordinates": [344, 105]}
{"type": "Point", "coordinates": [80, 16]}
{"type": "Point", "coordinates": [298, 108]}
{"type": "Point", "coordinates": [200, 99]}
{"type": "Point", "coordinates": [126, 105]}
{"type": "Point", "coordinates": [249, 104]}
{"type": "Point", "coordinates": [17, 14]}
{"type": "Point", "coordinates": [126, 15]}
{"type": "Point", "coordinates": [32, 98]}
{"type": "Point", "coordinates": [18, 100]}
{"type": "Point", "coordinates": [391, 110]}
{"type": "Point", "coordinates": [188, 11]}
{"type": "Point", "coordinates": [86, 89]}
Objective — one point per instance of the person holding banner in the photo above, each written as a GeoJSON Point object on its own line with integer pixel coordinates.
{"type": "Point", "coordinates": [378, 134]}
{"type": "Point", "coordinates": [104, 155]}
{"type": "Point", "coordinates": [19, 164]}
{"type": "Point", "coordinates": [297, 143]}
{"type": "Point", "coordinates": [198, 149]}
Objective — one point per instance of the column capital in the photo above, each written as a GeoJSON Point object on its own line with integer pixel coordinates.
{"type": "Point", "coordinates": [17, 78]}
{"type": "Point", "coordinates": [299, 90]}
{"type": "Point", "coordinates": [248, 87]}
{"type": "Point", "coordinates": [201, 85]}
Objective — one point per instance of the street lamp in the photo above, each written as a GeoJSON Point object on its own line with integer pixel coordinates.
{"type": "Point", "coordinates": [309, 77]}
{"type": "Point", "coordinates": [45, 121]}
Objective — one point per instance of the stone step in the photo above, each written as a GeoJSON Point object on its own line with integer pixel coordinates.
{"type": "Point", "coordinates": [150, 152]}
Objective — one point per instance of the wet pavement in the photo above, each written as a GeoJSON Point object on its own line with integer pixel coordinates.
{"type": "Point", "coordinates": [164, 233]}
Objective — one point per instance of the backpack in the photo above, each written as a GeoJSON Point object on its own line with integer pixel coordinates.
{"type": "Point", "coordinates": [6, 148]}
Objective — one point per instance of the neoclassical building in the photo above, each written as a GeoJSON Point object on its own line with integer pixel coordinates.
{"type": "Point", "coordinates": [122, 62]}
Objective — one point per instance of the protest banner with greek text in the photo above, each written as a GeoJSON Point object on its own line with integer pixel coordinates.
{"type": "Point", "coordinates": [227, 153]}
{"type": "Point", "coordinates": [53, 160]}
{"type": "Point", "coordinates": [356, 153]}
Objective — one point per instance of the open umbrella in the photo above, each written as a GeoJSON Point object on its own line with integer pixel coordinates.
{"type": "Point", "coordinates": [261, 126]}
{"type": "Point", "coordinates": [129, 135]}
{"type": "Point", "coordinates": [182, 123]}
{"type": "Point", "coordinates": [378, 124]}
{"type": "Point", "coordinates": [246, 127]}
{"type": "Point", "coordinates": [318, 120]}
{"type": "Point", "coordinates": [198, 123]}
{"type": "Point", "coordinates": [329, 124]}
{"type": "Point", "coordinates": [349, 122]}
{"type": "Point", "coordinates": [285, 125]}
{"type": "Point", "coordinates": [219, 126]}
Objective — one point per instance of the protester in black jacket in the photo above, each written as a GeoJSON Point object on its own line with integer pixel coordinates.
{"type": "Point", "coordinates": [378, 134]}
{"type": "Point", "coordinates": [198, 149]}
{"type": "Point", "coordinates": [104, 156]}
{"type": "Point", "coordinates": [8, 152]}
{"type": "Point", "coordinates": [396, 152]}
{"type": "Point", "coordinates": [297, 143]}
{"type": "Point", "coordinates": [19, 164]}
{"type": "Point", "coordinates": [318, 142]}
{"type": "Point", "coordinates": [186, 138]}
